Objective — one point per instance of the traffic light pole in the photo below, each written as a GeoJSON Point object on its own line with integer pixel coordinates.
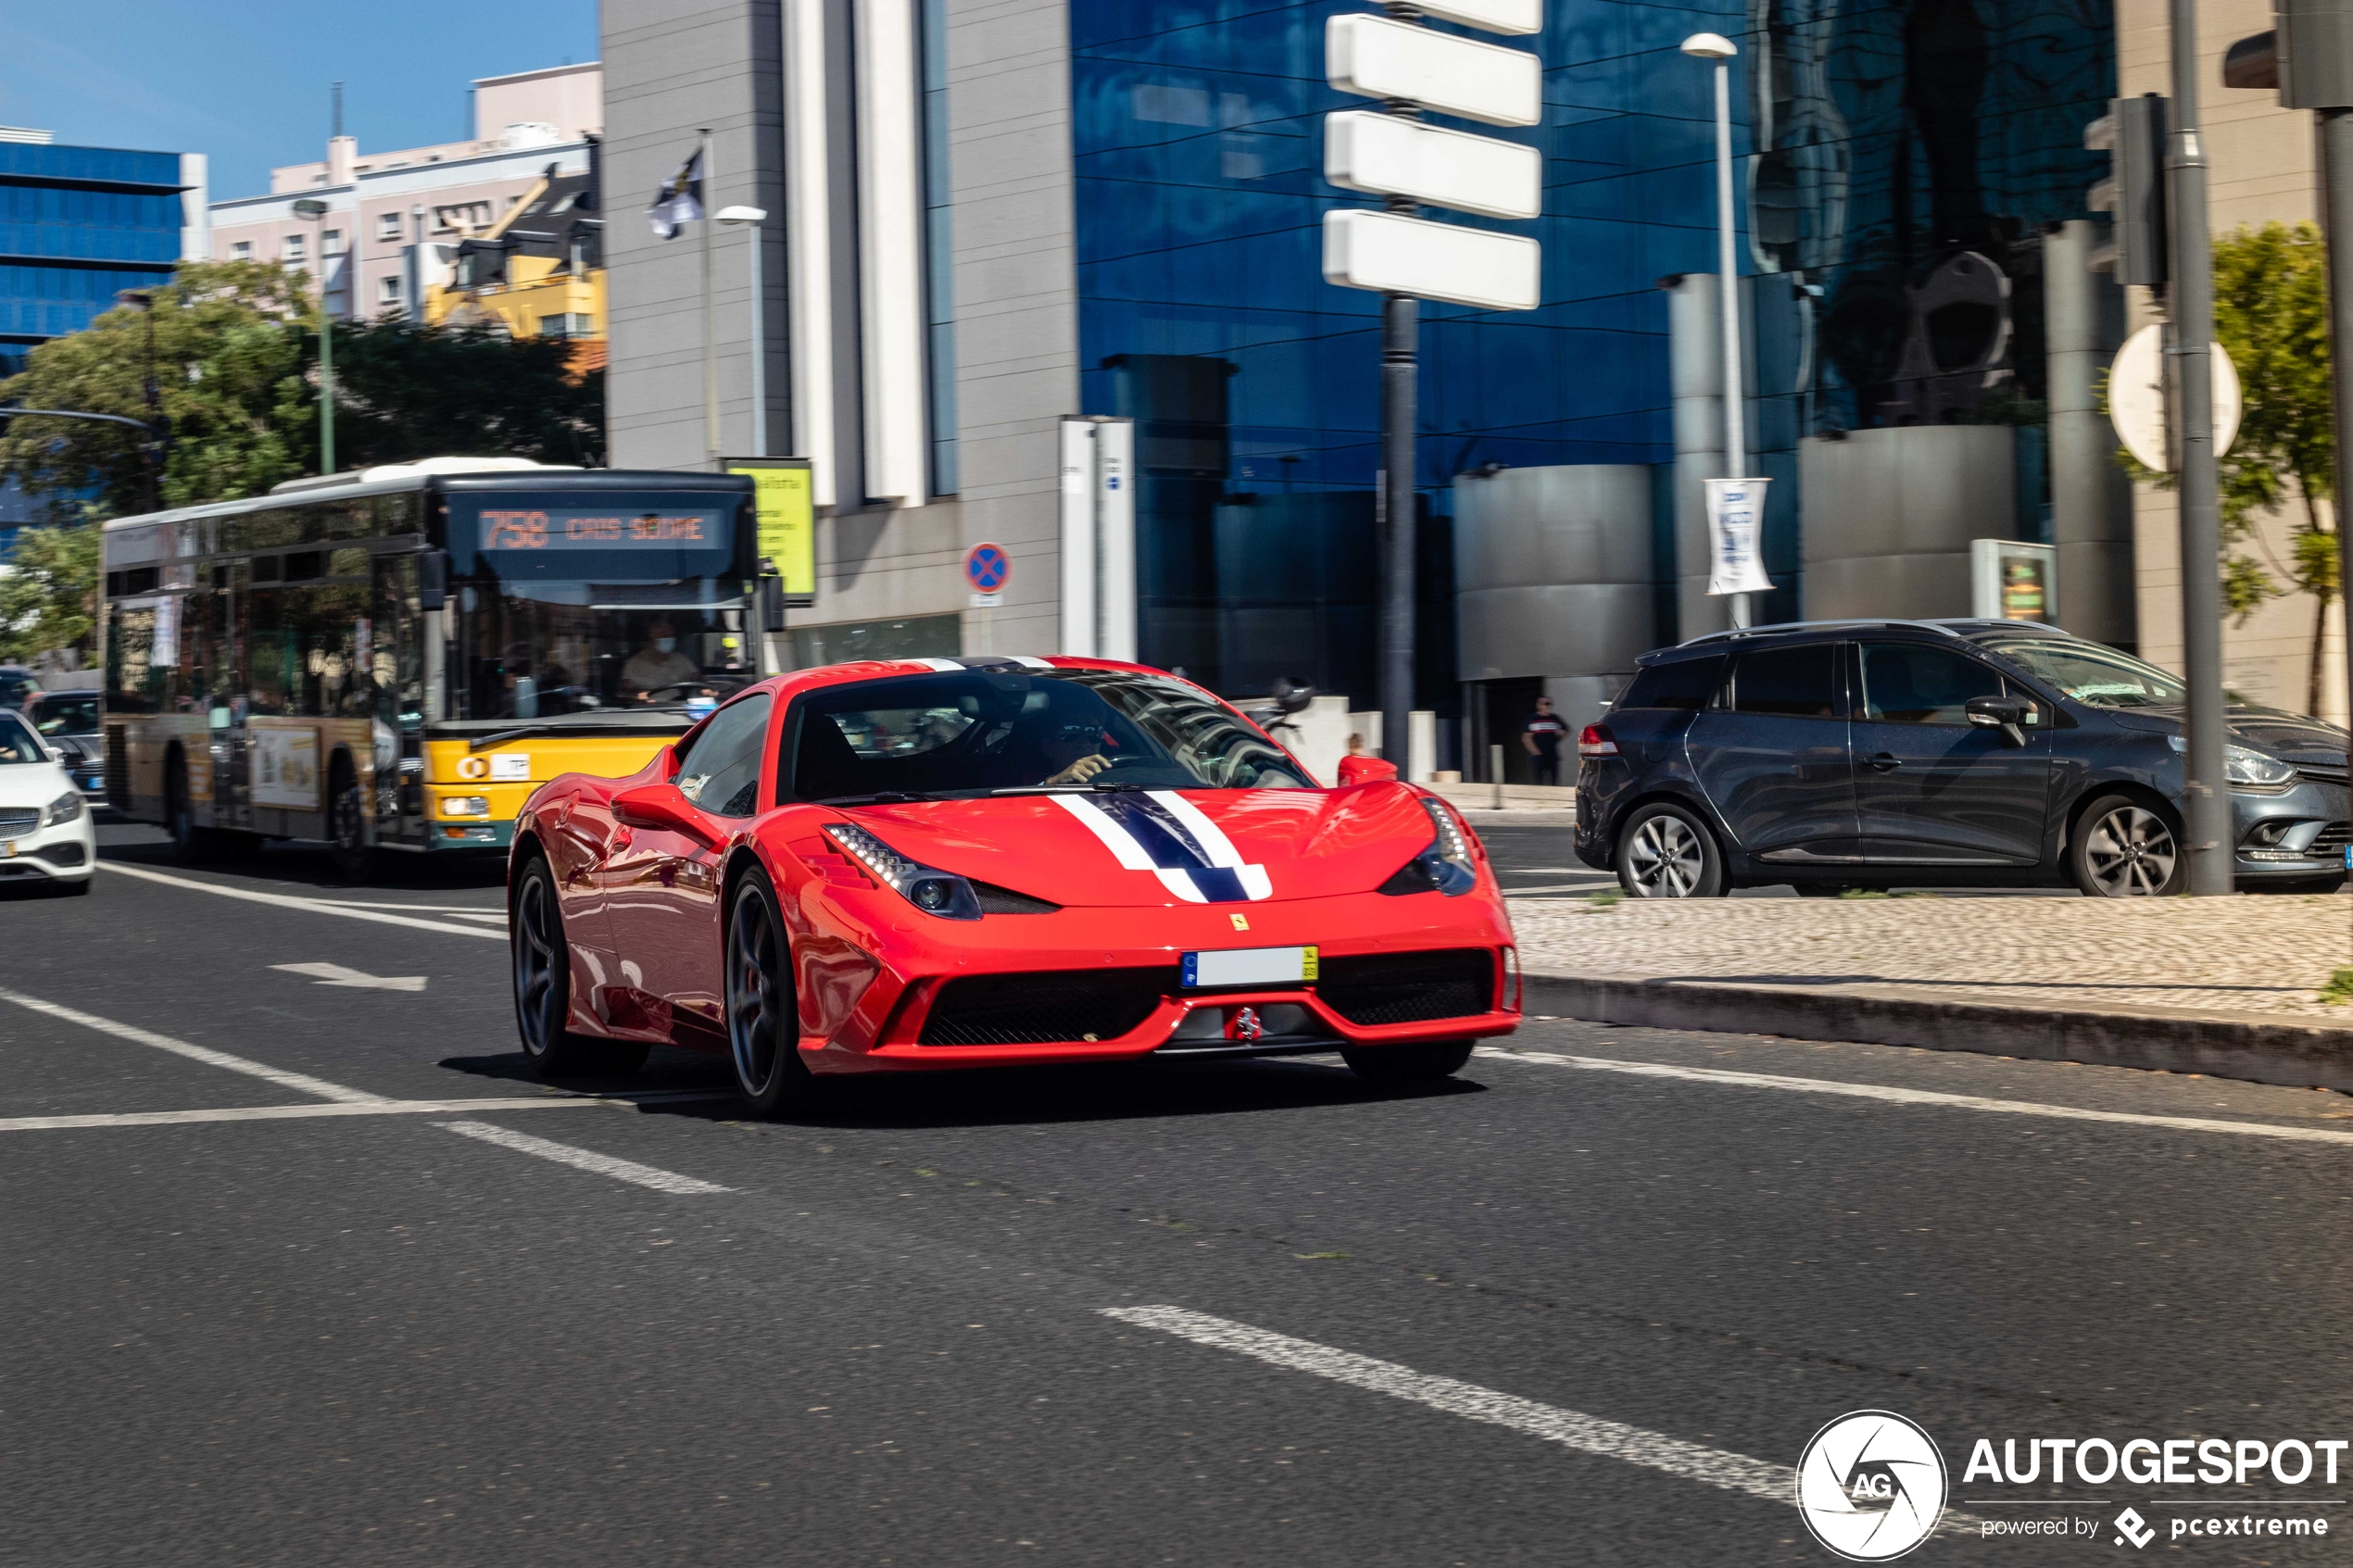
{"type": "Point", "coordinates": [2206, 800]}
{"type": "Point", "coordinates": [1400, 319]}
{"type": "Point", "coordinates": [2336, 173]}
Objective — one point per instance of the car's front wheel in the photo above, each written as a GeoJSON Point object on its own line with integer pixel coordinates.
{"type": "Point", "coordinates": [1406, 1064]}
{"type": "Point", "coordinates": [2122, 850]}
{"type": "Point", "coordinates": [763, 1028]}
{"type": "Point", "coordinates": [1666, 852]}
{"type": "Point", "coordinates": [542, 987]}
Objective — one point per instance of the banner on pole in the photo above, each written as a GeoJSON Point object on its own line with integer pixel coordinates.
{"type": "Point", "coordinates": [1736, 537]}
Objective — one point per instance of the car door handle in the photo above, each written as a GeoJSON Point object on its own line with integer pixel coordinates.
{"type": "Point", "coordinates": [1886, 761]}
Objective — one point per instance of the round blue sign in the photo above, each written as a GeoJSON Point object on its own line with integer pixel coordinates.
{"type": "Point", "coordinates": [987, 567]}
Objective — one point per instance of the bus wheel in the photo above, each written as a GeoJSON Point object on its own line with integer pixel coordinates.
{"type": "Point", "coordinates": [190, 844]}
{"type": "Point", "coordinates": [542, 987]}
{"type": "Point", "coordinates": [347, 822]}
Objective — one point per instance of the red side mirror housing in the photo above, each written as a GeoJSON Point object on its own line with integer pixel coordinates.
{"type": "Point", "coordinates": [1366, 770]}
{"type": "Point", "coordinates": [660, 807]}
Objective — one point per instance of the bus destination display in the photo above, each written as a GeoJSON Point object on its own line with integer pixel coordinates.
{"type": "Point", "coordinates": [540, 528]}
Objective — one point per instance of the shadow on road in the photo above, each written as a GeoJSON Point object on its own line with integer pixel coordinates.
{"type": "Point", "coordinates": [305, 864]}
{"type": "Point", "coordinates": [1001, 1096]}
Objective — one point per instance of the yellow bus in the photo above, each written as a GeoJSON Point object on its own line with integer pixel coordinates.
{"type": "Point", "coordinates": [393, 659]}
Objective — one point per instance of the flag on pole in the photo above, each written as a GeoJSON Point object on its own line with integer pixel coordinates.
{"type": "Point", "coordinates": [679, 202]}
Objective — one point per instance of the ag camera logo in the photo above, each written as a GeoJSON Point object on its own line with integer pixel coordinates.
{"type": "Point", "coordinates": [1870, 1485]}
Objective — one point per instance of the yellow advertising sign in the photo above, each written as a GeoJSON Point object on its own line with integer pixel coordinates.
{"type": "Point", "coordinates": [787, 521]}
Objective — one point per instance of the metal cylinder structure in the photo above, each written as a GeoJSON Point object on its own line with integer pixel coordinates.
{"type": "Point", "coordinates": [1400, 323]}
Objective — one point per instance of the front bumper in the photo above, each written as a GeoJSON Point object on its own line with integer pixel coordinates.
{"type": "Point", "coordinates": [1367, 946]}
{"type": "Point", "coordinates": [2296, 834]}
{"type": "Point", "coordinates": [68, 852]}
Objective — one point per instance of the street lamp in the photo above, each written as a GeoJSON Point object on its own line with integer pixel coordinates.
{"type": "Point", "coordinates": [310, 210]}
{"type": "Point", "coordinates": [751, 217]}
{"type": "Point", "coordinates": [1716, 47]}
{"type": "Point", "coordinates": [144, 302]}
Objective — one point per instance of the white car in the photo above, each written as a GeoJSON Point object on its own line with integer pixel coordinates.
{"type": "Point", "coordinates": [44, 827]}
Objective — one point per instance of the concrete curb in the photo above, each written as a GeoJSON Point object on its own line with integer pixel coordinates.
{"type": "Point", "coordinates": [2225, 1045]}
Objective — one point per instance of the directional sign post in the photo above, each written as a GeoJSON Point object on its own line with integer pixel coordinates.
{"type": "Point", "coordinates": [1392, 155]}
{"type": "Point", "coordinates": [988, 567]}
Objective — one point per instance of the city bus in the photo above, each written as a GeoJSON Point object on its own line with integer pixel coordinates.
{"type": "Point", "coordinates": [393, 659]}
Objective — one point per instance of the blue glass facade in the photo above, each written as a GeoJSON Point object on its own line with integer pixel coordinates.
{"type": "Point", "coordinates": [78, 225]}
{"type": "Point", "coordinates": [1890, 143]}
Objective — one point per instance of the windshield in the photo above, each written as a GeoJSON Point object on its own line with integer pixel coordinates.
{"type": "Point", "coordinates": [56, 715]}
{"type": "Point", "coordinates": [573, 605]}
{"type": "Point", "coordinates": [2090, 673]}
{"type": "Point", "coordinates": [978, 732]}
{"type": "Point", "coordinates": [17, 742]}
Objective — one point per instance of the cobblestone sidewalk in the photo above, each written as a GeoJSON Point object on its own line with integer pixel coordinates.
{"type": "Point", "coordinates": [2257, 954]}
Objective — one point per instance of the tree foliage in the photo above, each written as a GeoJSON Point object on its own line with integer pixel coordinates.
{"type": "Point", "coordinates": [48, 595]}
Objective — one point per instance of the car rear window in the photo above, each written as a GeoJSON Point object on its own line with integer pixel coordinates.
{"type": "Point", "coordinates": [1792, 683]}
{"type": "Point", "coordinates": [1687, 684]}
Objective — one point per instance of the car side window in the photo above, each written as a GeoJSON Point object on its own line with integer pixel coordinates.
{"type": "Point", "coordinates": [1909, 684]}
{"type": "Point", "coordinates": [1789, 683]}
{"type": "Point", "coordinates": [721, 773]}
{"type": "Point", "coordinates": [1686, 685]}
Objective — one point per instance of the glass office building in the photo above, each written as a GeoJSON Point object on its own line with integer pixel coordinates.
{"type": "Point", "coordinates": [79, 225]}
{"type": "Point", "coordinates": [1899, 164]}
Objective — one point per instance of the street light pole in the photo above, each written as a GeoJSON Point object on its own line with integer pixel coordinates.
{"type": "Point", "coordinates": [152, 394]}
{"type": "Point", "coordinates": [709, 333]}
{"type": "Point", "coordinates": [314, 210]}
{"type": "Point", "coordinates": [1716, 47]}
{"type": "Point", "coordinates": [2206, 795]}
{"type": "Point", "coordinates": [751, 217]}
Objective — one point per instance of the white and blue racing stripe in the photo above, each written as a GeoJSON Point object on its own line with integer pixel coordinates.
{"type": "Point", "coordinates": [1165, 834]}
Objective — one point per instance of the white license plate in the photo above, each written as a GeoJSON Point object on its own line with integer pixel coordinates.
{"type": "Point", "coordinates": [1249, 966]}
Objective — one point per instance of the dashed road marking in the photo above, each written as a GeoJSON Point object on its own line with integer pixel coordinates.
{"type": "Point", "coordinates": [301, 1082]}
{"type": "Point", "coordinates": [354, 979]}
{"type": "Point", "coordinates": [290, 901]}
{"type": "Point", "coordinates": [1922, 1097]}
{"type": "Point", "coordinates": [295, 1113]}
{"type": "Point", "coordinates": [585, 1160]}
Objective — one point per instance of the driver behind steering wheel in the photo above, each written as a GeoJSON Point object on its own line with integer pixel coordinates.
{"type": "Point", "coordinates": [1072, 751]}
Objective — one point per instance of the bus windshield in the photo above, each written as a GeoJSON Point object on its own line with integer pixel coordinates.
{"type": "Point", "coordinates": [568, 604]}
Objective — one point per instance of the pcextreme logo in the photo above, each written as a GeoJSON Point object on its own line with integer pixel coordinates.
{"type": "Point", "coordinates": [1870, 1485]}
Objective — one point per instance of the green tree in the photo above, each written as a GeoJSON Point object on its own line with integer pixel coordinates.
{"type": "Point", "coordinates": [404, 392]}
{"type": "Point", "coordinates": [2271, 312]}
{"type": "Point", "coordinates": [48, 591]}
{"type": "Point", "coordinates": [228, 366]}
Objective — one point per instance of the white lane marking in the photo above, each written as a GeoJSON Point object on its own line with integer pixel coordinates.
{"type": "Point", "coordinates": [1586, 1434]}
{"type": "Point", "coordinates": [467, 911]}
{"type": "Point", "coordinates": [288, 901]}
{"type": "Point", "coordinates": [1922, 1096]}
{"type": "Point", "coordinates": [295, 1113]}
{"type": "Point", "coordinates": [354, 979]}
{"type": "Point", "coordinates": [583, 1160]}
{"type": "Point", "coordinates": [302, 1083]}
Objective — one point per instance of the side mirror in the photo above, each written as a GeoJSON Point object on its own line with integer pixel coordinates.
{"type": "Point", "coordinates": [1365, 770]}
{"type": "Point", "coordinates": [2009, 714]}
{"type": "Point", "coordinates": [661, 807]}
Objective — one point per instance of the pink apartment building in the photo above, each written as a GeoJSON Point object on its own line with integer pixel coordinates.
{"type": "Point", "coordinates": [395, 219]}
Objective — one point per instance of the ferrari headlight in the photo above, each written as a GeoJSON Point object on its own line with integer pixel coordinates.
{"type": "Point", "coordinates": [935, 892]}
{"type": "Point", "coordinates": [1445, 867]}
{"type": "Point", "coordinates": [67, 808]}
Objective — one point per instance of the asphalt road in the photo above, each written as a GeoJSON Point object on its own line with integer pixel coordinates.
{"type": "Point", "coordinates": [1585, 1304]}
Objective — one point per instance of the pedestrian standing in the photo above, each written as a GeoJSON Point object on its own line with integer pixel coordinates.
{"type": "Point", "coordinates": [1541, 733]}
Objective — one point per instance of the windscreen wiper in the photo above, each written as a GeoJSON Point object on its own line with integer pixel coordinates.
{"type": "Point", "coordinates": [1094, 786]}
{"type": "Point", "coordinates": [880, 797]}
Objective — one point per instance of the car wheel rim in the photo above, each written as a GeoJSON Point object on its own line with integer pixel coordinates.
{"type": "Point", "coordinates": [1665, 859]}
{"type": "Point", "coordinates": [535, 960]}
{"type": "Point", "coordinates": [2129, 853]}
{"type": "Point", "coordinates": [752, 1012]}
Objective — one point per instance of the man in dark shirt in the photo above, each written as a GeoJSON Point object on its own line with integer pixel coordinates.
{"type": "Point", "coordinates": [1541, 734]}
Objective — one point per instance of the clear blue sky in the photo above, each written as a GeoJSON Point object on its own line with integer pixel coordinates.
{"type": "Point", "coordinates": [247, 81]}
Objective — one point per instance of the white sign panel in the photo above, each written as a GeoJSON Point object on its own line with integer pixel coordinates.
{"type": "Point", "coordinates": [1736, 537]}
{"type": "Point", "coordinates": [1490, 15]}
{"type": "Point", "coordinates": [1380, 58]}
{"type": "Point", "coordinates": [1098, 538]}
{"type": "Point", "coordinates": [1079, 537]}
{"type": "Point", "coordinates": [285, 768]}
{"type": "Point", "coordinates": [1364, 249]}
{"type": "Point", "coordinates": [2136, 401]}
{"type": "Point", "coordinates": [1388, 155]}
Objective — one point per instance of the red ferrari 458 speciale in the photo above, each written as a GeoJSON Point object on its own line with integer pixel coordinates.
{"type": "Point", "coordinates": [956, 862]}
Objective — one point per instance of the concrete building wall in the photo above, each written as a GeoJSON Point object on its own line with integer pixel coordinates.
{"type": "Point", "coordinates": [2263, 169]}
{"type": "Point", "coordinates": [1890, 514]}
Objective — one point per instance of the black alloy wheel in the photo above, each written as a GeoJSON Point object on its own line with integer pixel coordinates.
{"type": "Point", "coordinates": [346, 822]}
{"type": "Point", "coordinates": [1407, 1064]}
{"type": "Point", "coordinates": [2123, 849]}
{"type": "Point", "coordinates": [542, 987]}
{"type": "Point", "coordinates": [764, 1027]}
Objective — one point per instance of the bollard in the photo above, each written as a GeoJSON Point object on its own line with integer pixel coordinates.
{"type": "Point", "coordinates": [1496, 771]}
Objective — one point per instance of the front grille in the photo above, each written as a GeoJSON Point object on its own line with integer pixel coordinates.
{"type": "Point", "coordinates": [1409, 987]}
{"type": "Point", "coordinates": [119, 768]}
{"type": "Point", "coordinates": [2332, 839]}
{"type": "Point", "coordinates": [1039, 1009]}
{"type": "Point", "coordinates": [2325, 773]}
{"type": "Point", "coordinates": [16, 821]}
{"type": "Point", "coordinates": [65, 854]}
